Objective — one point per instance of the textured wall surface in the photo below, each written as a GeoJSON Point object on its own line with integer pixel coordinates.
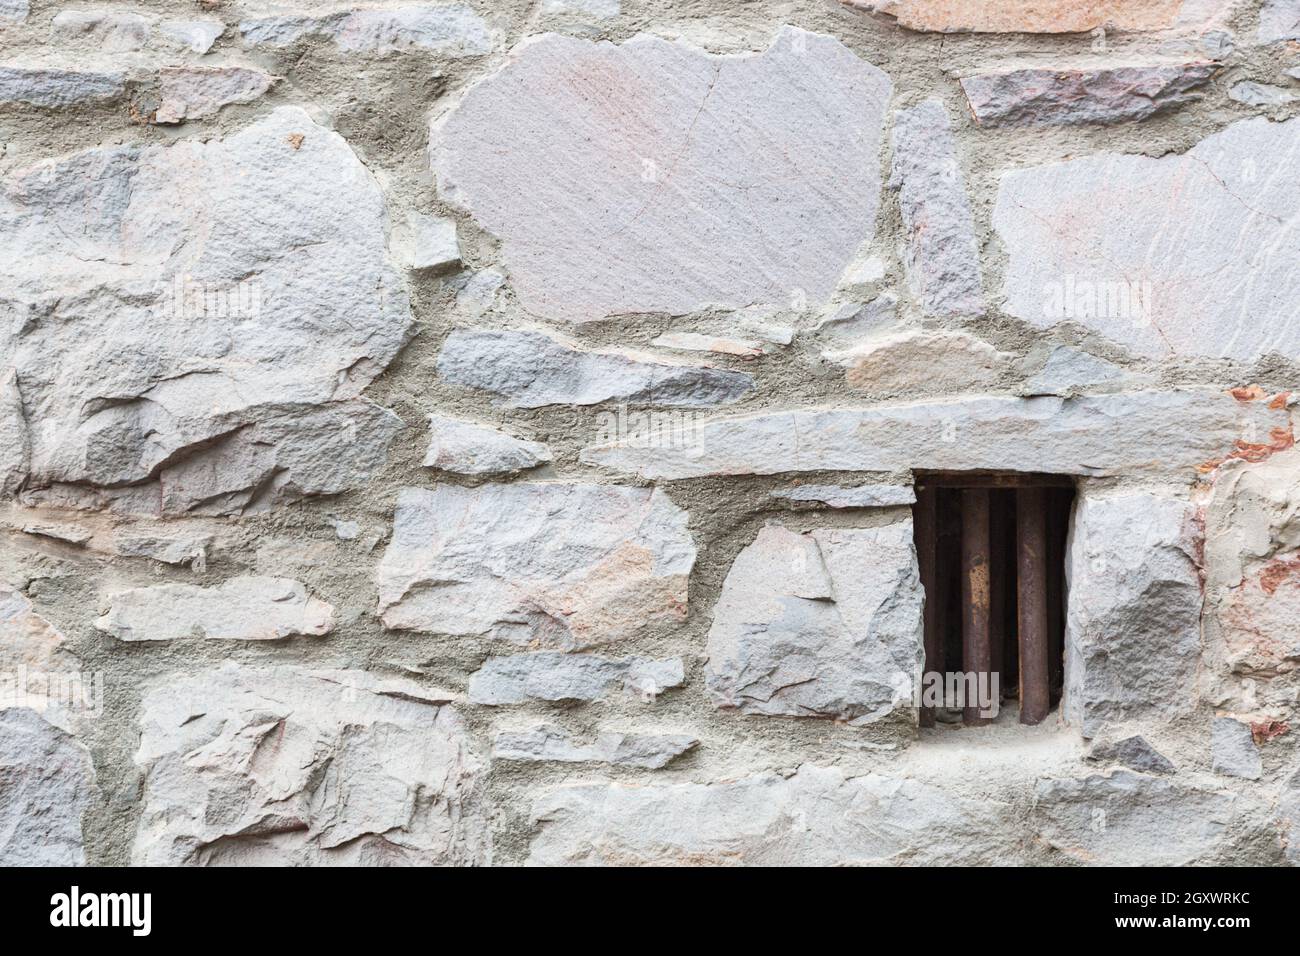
{"type": "Point", "coordinates": [483, 432]}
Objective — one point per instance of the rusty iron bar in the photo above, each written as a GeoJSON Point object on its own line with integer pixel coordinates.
{"type": "Point", "coordinates": [1058, 527]}
{"type": "Point", "coordinates": [976, 650]}
{"type": "Point", "coordinates": [927, 541]}
{"type": "Point", "coordinates": [1033, 629]}
{"type": "Point", "coordinates": [1002, 576]}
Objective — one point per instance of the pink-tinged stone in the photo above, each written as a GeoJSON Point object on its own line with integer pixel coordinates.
{"type": "Point", "coordinates": [193, 92]}
{"type": "Point", "coordinates": [1190, 254]}
{"type": "Point", "coordinates": [656, 177]}
{"type": "Point", "coordinates": [1074, 97]}
{"type": "Point", "coordinates": [1042, 16]}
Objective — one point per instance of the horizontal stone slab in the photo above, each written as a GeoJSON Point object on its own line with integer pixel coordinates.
{"type": "Point", "coordinates": [547, 743]}
{"type": "Point", "coordinates": [1169, 432]}
{"type": "Point", "coordinates": [1062, 97]}
{"type": "Point", "coordinates": [559, 677]}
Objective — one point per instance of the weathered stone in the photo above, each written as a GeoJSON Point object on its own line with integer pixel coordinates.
{"type": "Point", "coordinates": [554, 565]}
{"type": "Point", "coordinates": [551, 676]}
{"type": "Point", "coordinates": [1134, 752]}
{"type": "Point", "coordinates": [115, 31]}
{"type": "Point", "coordinates": [546, 742]}
{"type": "Point", "coordinates": [838, 496]}
{"type": "Point", "coordinates": [1145, 286]}
{"type": "Point", "coordinates": [169, 547]}
{"type": "Point", "coordinates": [1279, 20]}
{"type": "Point", "coordinates": [464, 448]}
{"type": "Point", "coordinates": [1069, 371]}
{"type": "Point", "coordinates": [815, 817]}
{"type": "Point", "coordinates": [193, 92]}
{"type": "Point", "coordinates": [826, 624]}
{"type": "Point", "coordinates": [1132, 634]}
{"type": "Point", "coordinates": [696, 182]}
{"type": "Point", "coordinates": [1042, 16]}
{"type": "Point", "coordinates": [288, 766]}
{"type": "Point", "coordinates": [1072, 97]}
{"type": "Point", "coordinates": [67, 533]}
{"type": "Point", "coordinates": [13, 11]}
{"type": "Point", "coordinates": [1252, 563]}
{"type": "Point", "coordinates": [1232, 749]}
{"type": "Point", "coordinates": [27, 640]}
{"type": "Point", "coordinates": [241, 609]}
{"type": "Point", "coordinates": [530, 370]}
{"type": "Point", "coordinates": [197, 36]}
{"type": "Point", "coordinates": [1288, 819]}
{"type": "Point", "coordinates": [46, 784]}
{"type": "Point", "coordinates": [856, 322]}
{"type": "Point", "coordinates": [1129, 819]}
{"type": "Point", "coordinates": [205, 376]}
{"type": "Point", "coordinates": [1153, 432]}
{"type": "Point", "coordinates": [1260, 94]}
{"type": "Point", "coordinates": [941, 256]}
{"type": "Point", "coordinates": [450, 29]}
{"type": "Point", "coordinates": [40, 86]}
{"type": "Point", "coordinates": [953, 361]}
{"type": "Point", "coordinates": [430, 244]}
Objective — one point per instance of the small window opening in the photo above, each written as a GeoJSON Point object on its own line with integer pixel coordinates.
{"type": "Point", "coordinates": [991, 550]}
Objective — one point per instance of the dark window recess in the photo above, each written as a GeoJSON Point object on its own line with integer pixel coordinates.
{"type": "Point", "coordinates": [991, 550]}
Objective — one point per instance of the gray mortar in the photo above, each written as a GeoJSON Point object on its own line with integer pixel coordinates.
{"type": "Point", "coordinates": [381, 106]}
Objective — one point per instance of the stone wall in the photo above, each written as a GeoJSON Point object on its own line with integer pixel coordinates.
{"type": "Point", "coordinates": [483, 432]}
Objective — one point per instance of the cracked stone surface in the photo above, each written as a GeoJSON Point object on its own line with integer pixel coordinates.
{"type": "Point", "coordinates": [1146, 286]}
{"type": "Point", "coordinates": [453, 29]}
{"type": "Point", "coordinates": [464, 448]}
{"type": "Point", "coordinates": [192, 92]}
{"type": "Point", "coordinates": [553, 565]}
{"type": "Point", "coordinates": [202, 379]}
{"type": "Point", "coordinates": [289, 766]}
{"type": "Point", "coordinates": [826, 624]}
{"type": "Point", "coordinates": [699, 177]}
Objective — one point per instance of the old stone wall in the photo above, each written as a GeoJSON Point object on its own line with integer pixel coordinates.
{"type": "Point", "coordinates": [483, 432]}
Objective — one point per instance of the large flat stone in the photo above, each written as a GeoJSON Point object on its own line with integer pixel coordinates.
{"type": "Point", "coordinates": [204, 313]}
{"type": "Point", "coordinates": [554, 565]}
{"type": "Point", "coordinates": [941, 256]}
{"type": "Point", "coordinates": [1133, 623]}
{"type": "Point", "coordinates": [290, 767]}
{"type": "Point", "coordinates": [241, 609]}
{"type": "Point", "coordinates": [1033, 97]}
{"type": "Point", "coordinates": [904, 360]}
{"type": "Point", "coordinates": [47, 782]}
{"type": "Point", "coordinates": [702, 180]}
{"type": "Point", "coordinates": [816, 817]}
{"type": "Point", "coordinates": [826, 624]}
{"type": "Point", "coordinates": [532, 370]}
{"type": "Point", "coordinates": [1154, 432]}
{"type": "Point", "coordinates": [1120, 244]}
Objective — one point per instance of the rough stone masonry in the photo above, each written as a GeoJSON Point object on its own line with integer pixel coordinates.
{"type": "Point", "coordinates": [483, 432]}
